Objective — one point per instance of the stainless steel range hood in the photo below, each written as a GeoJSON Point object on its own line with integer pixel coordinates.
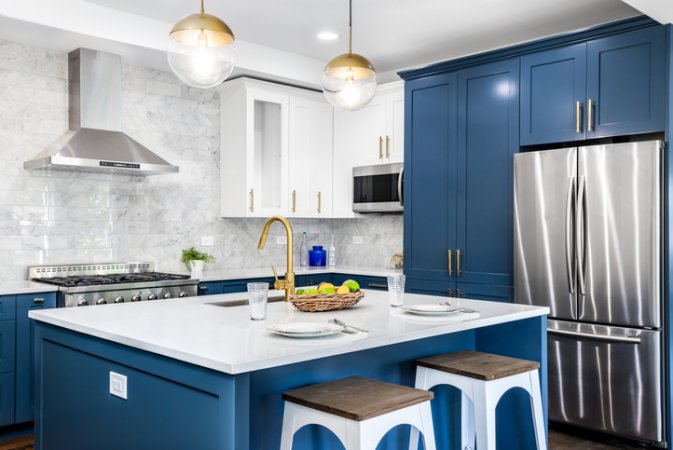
{"type": "Point", "coordinates": [95, 141]}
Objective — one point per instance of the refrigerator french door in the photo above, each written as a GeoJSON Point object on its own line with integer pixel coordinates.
{"type": "Point", "coordinates": [587, 239]}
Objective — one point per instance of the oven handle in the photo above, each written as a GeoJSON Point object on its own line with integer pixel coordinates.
{"type": "Point", "coordinates": [598, 337]}
{"type": "Point", "coordinates": [399, 186]}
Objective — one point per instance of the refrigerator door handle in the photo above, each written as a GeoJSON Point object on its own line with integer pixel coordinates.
{"type": "Point", "coordinates": [580, 237]}
{"type": "Point", "coordinates": [598, 337]}
{"type": "Point", "coordinates": [570, 270]}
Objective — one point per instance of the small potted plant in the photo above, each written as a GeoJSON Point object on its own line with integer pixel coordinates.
{"type": "Point", "coordinates": [194, 260]}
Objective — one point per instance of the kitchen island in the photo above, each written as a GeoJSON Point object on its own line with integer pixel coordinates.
{"type": "Point", "coordinates": [200, 374]}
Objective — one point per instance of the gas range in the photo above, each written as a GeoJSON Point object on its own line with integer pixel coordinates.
{"type": "Point", "coordinates": [99, 284]}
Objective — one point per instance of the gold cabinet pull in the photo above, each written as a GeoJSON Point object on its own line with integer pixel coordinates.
{"type": "Point", "coordinates": [450, 266]}
{"type": "Point", "coordinates": [450, 292]}
{"type": "Point", "coordinates": [294, 201]}
{"type": "Point", "coordinates": [378, 285]}
{"type": "Point", "coordinates": [387, 147]}
{"type": "Point", "coordinates": [459, 293]}
{"type": "Point", "coordinates": [319, 201]}
{"type": "Point", "coordinates": [590, 115]}
{"type": "Point", "coordinates": [380, 147]}
{"type": "Point", "coordinates": [578, 117]}
{"type": "Point", "coordinates": [252, 200]}
{"type": "Point", "coordinates": [38, 300]}
{"type": "Point", "coordinates": [458, 254]}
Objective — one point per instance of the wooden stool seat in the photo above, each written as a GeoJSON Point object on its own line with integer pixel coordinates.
{"type": "Point", "coordinates": [478, 365]}
{"type": "Point", "coordinates": [357, 398]}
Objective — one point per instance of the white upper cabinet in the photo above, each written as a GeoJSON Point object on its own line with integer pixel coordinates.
{"type": "Point", "coordinates": [310, 169]}
{"type": "Point", "coordinates": [372, 135]}
{"type": "Point", "coordinates": [276, 151]}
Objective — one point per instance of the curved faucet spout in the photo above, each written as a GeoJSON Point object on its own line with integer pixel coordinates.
{"type": "Point", "coordinates": [288, 282]}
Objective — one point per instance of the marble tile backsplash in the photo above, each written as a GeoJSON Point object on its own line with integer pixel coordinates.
{"type": "Point", "coordinates": [49, 217]}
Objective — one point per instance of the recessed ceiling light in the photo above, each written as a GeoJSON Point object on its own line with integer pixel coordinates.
{"type": "Point", "coordinates": [328, 36]}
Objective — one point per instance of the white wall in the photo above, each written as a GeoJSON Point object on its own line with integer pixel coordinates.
{"type": "Point", "coordinates": [71, 217]}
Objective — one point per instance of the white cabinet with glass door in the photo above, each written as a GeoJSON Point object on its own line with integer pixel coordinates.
{"type": "Point", "coordinates": [310, 156]}
{"type": "Point", "coordinates": [254, 149]}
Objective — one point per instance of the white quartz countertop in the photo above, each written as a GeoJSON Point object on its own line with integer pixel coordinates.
{"type": "Point", "coordinates": [225, 339]}
{"type": "Point", "coordinates": [25, 287]}
{"type": "Point", "coordinates": [239, 274]}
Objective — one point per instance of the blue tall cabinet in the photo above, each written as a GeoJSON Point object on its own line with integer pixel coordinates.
{"type": "Point", "coordinates": [612, 86]}
{"type": "Point", "coordinates": [462, 129]}
{"type": "Point", "coordinates": [465, 119]}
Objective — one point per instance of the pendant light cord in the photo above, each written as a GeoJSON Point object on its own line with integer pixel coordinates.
{"type": "Point", "coordinates": [350, 26]}
{"type": "Point", "coordinates": [202, 10]}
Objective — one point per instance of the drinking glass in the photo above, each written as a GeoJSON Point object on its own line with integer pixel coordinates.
{"type": "Point", "coordinates": [258, 294]}
{"type": "Point", "coordinates": [396, 289]}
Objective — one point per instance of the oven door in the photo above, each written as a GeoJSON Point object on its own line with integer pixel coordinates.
{"type": "Point", "coordinates": [379, 188]}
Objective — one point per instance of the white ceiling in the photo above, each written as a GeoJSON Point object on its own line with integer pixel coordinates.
{"type": "Point", "coordinates": [277, 38]}
{"type": "Point", "coordinates": [393, 34]}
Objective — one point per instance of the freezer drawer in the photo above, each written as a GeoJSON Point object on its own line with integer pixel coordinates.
{"type": "Point", "coordinates": [606, 378]}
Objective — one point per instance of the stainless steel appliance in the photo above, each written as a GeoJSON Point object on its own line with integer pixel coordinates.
{"type": "Point", "coordinates": [379, 188]}
{"type": "Point", "coordinates": [95, 141]}
{"type": "Point", "coordinates": [99, 284]}
{"type": "Point", "coordinates": [588, 244]}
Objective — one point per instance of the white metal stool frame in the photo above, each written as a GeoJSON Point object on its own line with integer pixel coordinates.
{"type": "Point", "coordinates": [359, 435]}
{"type": "Point", "coordinates": [478, 402]}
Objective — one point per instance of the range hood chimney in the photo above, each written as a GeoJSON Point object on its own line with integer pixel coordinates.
{"type": "Point", "coordinates": [95, 141]}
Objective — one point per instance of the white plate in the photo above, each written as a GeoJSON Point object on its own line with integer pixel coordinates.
{"type": "Point", "coordinates": [301, 330]}
{"type": "Point", "coordinates": [431, 310]}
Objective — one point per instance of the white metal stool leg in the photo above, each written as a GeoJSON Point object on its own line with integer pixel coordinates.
{"type": "Point", "coordinates": [467, 432]}
{"type": "Point", "coordinates": [536, 408]}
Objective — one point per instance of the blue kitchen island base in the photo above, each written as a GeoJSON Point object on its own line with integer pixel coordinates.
{"type": "Point", "coordinates": [172, 404]}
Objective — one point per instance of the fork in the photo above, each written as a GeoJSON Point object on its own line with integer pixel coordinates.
{"type": "Point", "coordinates": [345, 325]}
{"type": "Point", "coordinates": [460, 308]}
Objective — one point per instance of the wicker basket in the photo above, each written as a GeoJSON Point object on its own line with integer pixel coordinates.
{"type": "Point", "coordinates": [325, 302]}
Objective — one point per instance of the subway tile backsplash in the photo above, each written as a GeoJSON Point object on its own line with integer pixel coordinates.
{"type": "Point", "coordinates": [66, 217]}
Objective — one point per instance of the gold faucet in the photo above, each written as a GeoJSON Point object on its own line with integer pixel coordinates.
{"type": "Point", "coordinates": [288, 283]}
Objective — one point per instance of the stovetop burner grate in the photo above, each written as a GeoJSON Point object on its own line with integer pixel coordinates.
{"type": "Point", "coordinates": [119, 278]}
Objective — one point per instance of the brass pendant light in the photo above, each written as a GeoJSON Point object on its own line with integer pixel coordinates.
{"type": "Point", "coordinates": [349, 80]}
{"type": "Point", "coordinates": [201, 50]}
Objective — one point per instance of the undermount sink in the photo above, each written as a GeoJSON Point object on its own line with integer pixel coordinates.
{"type": "Point", "coordinates": [273, 299]}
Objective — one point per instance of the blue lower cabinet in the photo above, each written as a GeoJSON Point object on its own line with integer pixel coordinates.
{"type": "Point", "coordinates": [211, 288]}
{"type": "Point", "coordinates": [25, 351]}
{"type": "Point", "coordinates": [430, 287]}
{"type": "Point", "coordinates": [7, 398]}
{"type": "Point", "coordinates": [7, 307]}
{"type": "Point", "coordinates": [365, 282]}
{"type": "Point", "coordinates": [7, 345]}
{"type": "Point", "coordinates": [313, 279]}
{"type": "Point", "coordinates": [485, 292]}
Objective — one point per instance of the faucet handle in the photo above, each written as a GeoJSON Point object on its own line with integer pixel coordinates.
{"type": "Point", "coordinates": [275, 272]}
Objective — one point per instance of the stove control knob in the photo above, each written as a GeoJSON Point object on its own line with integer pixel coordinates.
{"type": "Point", "coordinates": [101, 301]}
{"type": "Point", "coordinates": [82, 302]}
{"type": "Point", "coordinates": [136, 298]}
{"type": "Point", "coordinates": [182, 294]}
{"type": "Point", "coordinates": [119, 299]}
{"type": "Point", "coordinates": [152, 297]}
{"type": "Point", "coordinates": [167, 295]}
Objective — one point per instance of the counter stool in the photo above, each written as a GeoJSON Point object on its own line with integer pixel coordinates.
{"type": "Point", "coordinates": [482, 378]}
{"type": "Point", "coordinates": [359, 411]}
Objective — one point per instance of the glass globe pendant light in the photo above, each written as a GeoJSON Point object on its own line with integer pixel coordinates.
{"type": "Point", "coordinates": [201, 50]}
{"type": "Point", "coordinates": [349, 80]}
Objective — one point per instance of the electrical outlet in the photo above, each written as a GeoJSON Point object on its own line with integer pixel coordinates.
{"type": "Point", "coordinates": [118, 386]}
{"type": "Point", "coordinates": [357, 239]}
{"type": "Point", "coordinates": [281, 240]}
{"type": "Point", "coordinates": [207, 241]}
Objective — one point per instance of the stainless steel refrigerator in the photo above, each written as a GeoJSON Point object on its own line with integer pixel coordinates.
{"type": "Point", "coordinates": [588, 244]}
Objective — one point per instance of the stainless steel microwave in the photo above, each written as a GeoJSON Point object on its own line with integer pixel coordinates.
{"type": "Point", "coordinates": [378, 189]}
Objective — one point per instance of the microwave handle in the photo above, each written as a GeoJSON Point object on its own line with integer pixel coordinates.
{"type": "Point", "coordinates": [399, 186]}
